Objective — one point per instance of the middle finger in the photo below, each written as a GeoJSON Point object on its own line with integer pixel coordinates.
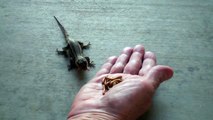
{"type": "Point", "coordinates": [135, 62]}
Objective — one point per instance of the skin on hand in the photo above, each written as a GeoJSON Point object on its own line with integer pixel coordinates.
{"type": "Point", "coordinates": [130, 98]}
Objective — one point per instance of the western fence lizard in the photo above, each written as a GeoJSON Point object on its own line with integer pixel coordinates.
{"type": "Point", "coordinates": [74, 52]}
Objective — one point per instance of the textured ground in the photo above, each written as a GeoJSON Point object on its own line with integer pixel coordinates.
{"type": "Point", "coordinates": [35, 83]}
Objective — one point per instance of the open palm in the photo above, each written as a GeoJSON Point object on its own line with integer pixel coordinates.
{"type": "Point", "coordinates": [130, 98]}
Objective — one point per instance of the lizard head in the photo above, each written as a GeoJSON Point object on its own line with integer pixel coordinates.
{"type": "Point", "coordinates": [82, 64]}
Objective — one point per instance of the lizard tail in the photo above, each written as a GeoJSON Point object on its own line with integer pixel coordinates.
{"type": "Point", "coordinates": [63, 30]}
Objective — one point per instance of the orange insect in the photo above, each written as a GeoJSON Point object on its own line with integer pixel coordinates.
{"type": "Point", "coordinates": [108, 83]}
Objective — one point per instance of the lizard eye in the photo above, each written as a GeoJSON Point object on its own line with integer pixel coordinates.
{"type": "Point", "coordinates": [82, 64]}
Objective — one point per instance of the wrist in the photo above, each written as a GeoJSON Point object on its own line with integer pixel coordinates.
{"type": "Point", "coordinates": [94, 116]}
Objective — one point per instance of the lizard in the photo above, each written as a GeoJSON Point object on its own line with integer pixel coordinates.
{"type": "Point", "coordinates": [74, 51]}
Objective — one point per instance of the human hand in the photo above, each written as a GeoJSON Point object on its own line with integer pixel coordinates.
{"type": "Point", "coordinates": [130, 98]}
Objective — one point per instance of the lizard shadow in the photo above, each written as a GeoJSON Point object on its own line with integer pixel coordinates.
{"type": "Point", "coordinates": [79, 74]}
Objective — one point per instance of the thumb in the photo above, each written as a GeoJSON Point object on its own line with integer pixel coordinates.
{"type": "Point", "coordinates": [159, 73]}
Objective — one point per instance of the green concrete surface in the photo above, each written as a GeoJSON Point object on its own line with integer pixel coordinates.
{"type": "Point", "coordinates": [35, 83]}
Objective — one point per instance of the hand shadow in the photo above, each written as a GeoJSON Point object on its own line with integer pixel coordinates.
{"type": "Point", "coordinates": [158, 108]}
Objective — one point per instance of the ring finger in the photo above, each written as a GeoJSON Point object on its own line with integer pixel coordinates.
{"type": "Point", "coordinates": [122, 60]}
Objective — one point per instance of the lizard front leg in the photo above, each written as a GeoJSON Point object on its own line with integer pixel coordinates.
{"type": "Point", "coordinates": [83, 46]}
{"type": "Point", "coordinates": [90, 63]}
{"type": "Point", "coordinates": [71, 64]}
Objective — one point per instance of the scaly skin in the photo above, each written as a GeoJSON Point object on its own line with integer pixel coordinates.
{"type": "Point", "coordinates": [74, 52]}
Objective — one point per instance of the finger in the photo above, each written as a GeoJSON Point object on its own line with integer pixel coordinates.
{"type": "Point", "coordinates": [135, 61]}
{"type": "Point", "coordinates": [158, 74]}
{"type": "Point", "coordinates": [148, 62]}
{"type": "Point", "coordinates": [122, 60]}
{"type": "Point", "coordinates": [106, 67]}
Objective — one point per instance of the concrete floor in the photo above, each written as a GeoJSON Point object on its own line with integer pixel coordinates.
{"type": "Point", "coordinates": [35, 83]}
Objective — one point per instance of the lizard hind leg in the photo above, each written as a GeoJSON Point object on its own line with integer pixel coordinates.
{"type": "Point", "coordinates": [83, 46]}
{"type": "Point", "coordinates": [62, 52]}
